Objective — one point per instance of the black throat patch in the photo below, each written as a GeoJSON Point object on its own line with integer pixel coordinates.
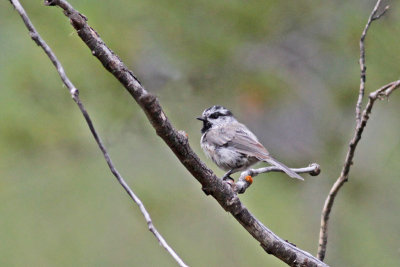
{"type": "Point", "coordinates": [206, 126]}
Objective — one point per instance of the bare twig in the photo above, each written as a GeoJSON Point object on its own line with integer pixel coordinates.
{"type": "Point", "coordinates": [178, 143]}
{"type": "Point", "coordinates": [246, 177]}
{"type": "Point", "coordinates": [75, 96]}
{"type": "Point", "coordinates": [372, 17]}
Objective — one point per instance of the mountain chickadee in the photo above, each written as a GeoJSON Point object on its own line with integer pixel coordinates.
{"type": "Point", "coordinates": [231, 145]}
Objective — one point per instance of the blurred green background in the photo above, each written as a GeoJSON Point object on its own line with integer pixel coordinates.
{"type": "Point", "coordinates": [288, 69]}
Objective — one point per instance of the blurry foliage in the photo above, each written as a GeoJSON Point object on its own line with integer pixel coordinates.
{"type": "Point", "coordinates": [289, 69]}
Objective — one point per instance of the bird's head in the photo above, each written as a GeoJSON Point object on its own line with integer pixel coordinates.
{"type": "Point", "coordinates": [215, 116]}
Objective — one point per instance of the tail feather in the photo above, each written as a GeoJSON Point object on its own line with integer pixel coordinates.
{"type": "Point", "coordinates": [283, 167]}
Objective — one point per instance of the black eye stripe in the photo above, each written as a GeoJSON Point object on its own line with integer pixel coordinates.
{"type": "Point", "coordinates": [216, 111]}
{"type": "Point", "coordinates": [216, 115]}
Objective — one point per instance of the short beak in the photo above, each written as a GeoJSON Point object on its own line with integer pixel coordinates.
{"type": "Point", "coordinates": [201, 119]}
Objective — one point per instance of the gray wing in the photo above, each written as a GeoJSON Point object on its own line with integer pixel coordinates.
{"type": "Point", "coordinates": [237, 136]}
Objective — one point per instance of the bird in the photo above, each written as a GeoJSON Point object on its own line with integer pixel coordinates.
{"type": "Point", "coordinates": [231, 145]}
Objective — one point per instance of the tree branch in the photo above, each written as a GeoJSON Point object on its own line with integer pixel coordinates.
{"type": "Point", "coordinates": [75, 96]}
{"type": "Point", "coordinates": [361, 122]}
{"type": "Point", "coordinates": [246, 177]}
{"type": "Point", "coordinates": [372, 17]}
{"type": "Point", "coordinates": [178, 143]}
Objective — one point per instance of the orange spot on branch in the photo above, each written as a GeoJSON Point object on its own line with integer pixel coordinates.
{"type": "Point", "coordinates": [249, 179]}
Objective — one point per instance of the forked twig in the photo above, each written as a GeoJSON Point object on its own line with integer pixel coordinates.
{"type": "Point", "coordinates": [361, 121]}
{"type": "Point", "coordinates": [373, 16]}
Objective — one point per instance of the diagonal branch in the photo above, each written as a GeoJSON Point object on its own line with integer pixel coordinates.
{"type": "Point", "coordinates": [75, 96]}
{"type": "Point", "coordinates": [178, 143]}
{"type": "Point", "coordinates": [361, 122]}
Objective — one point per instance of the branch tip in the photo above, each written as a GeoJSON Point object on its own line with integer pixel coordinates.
{"type": "Point", "coordinates": [317, 169]}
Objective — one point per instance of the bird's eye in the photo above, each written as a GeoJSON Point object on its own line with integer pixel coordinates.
{"type": "Point", "coordinates": [214, 115]}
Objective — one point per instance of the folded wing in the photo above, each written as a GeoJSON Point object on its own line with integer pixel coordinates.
{"type": "Point", "coordinates": [237, 136]}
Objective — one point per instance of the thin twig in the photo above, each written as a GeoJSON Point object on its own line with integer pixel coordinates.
{"type": "Point", "coordinates": [178, 143]}
{"type": "Point", "coordinates": [361, 122]}
{"type": "Point", "coordinates": [75, 96]}
{"type": "Point", "coordinates": [372, 17]}
{"type": "Point", "coordinates": [246, 177]}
